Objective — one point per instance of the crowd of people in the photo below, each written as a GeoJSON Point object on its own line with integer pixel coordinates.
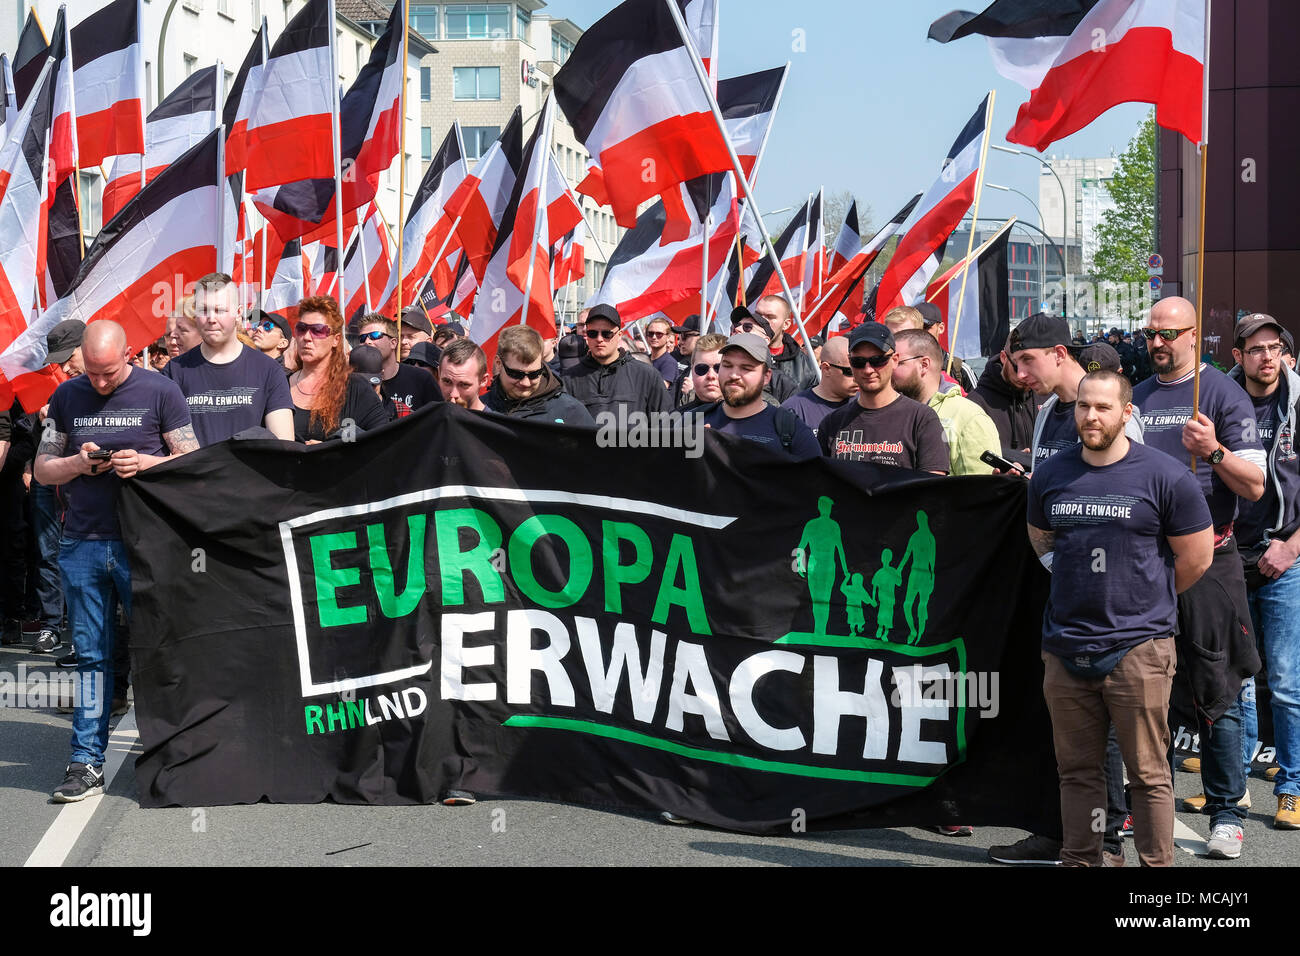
{"type": "Point", "coordinates": [1102, 430]}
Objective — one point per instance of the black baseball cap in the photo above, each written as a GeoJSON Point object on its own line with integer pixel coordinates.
{"type": "Point", "coordinates": [930, 313]}
{"type": "Point", "coordinates": [1250, 324]}
{"type": "Point", "coordinates": [366, 361]}
{"type": "Point", "coordinates": [414, 317]}
{"type": "Point", "coordinates": [62, 340]}
{"type": "Point", "coordinates": [257, 317]}
{"type": "Point", "coordinates": [1039, 331]}
{"type": "Point", "coordinates": [872, 333]}
{"type": "Point", "coordinates": [741, 314]}
{"type": "Point", "coordinates": [1098, 356]}
{"type": "Point", "coordinates": [452, 326]}
{"type": "Point", "coordinates": [606, 312]}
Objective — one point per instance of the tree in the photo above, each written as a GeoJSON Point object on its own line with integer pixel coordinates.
{"type": "Point", "coordinates": [1126, 236]}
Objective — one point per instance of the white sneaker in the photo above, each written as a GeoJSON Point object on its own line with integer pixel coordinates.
{"type": "Point", "coordinates": [1225, 842]}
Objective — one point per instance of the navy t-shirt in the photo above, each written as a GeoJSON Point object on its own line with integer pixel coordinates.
{"type": "Point", "coordinates": [811, 408]}
{"type": "Point", "coordinates": [761, 428]}
{"type": "Point", "coordinates": [905, 434]}
{"type": "Point", "coordinates": [225, 400]}
{"type": "Point", "coordinates": [1167, 408]}
{"type": "Point", "coordinates": [411, 387]}
{"type": "Point", "coordinates": [1059, 432]}
{"type": "Point", "coordinates": [668, 367]}
{"type": "Point", "coordinates": [1112, 569]}
{"type": "Point", "coordinates": [135, 416]}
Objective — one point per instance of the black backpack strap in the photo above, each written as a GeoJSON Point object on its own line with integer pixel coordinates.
{"type": "Point", "coordinates": [786, 423]}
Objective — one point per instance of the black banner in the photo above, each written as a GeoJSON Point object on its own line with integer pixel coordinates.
{"type": "Point", "coordinates": [461, 601]}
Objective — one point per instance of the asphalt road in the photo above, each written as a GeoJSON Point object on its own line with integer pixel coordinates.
{"type": "Point", "coordinates": [113, 830]}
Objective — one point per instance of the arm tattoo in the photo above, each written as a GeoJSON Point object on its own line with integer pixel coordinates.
{"type": "Point", "coordinates": [53, 443]}
{"type": "Point", "coordinates": [181, 440]}
{"type": "Point", "coordinates": [1043, 541]}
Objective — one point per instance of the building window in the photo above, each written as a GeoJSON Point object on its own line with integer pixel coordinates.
{"type": "Point", "coordinates": [256, 10]}
{"type": "Point", "coordinates": [476, 82]}
{"type": "Point", "coordinates": [223, 8]}
{"type": "Point", "coordinates": [191, 62]}
{"type": "Point", "coordinates": [91, 196]}
{"type": "Point", "coordinates": [522, 19]}
{"type": "Point", "coordinates": [478, 139]}
{"type": "Point", "coordinates": [477, 21]}
{"type": "Point", "coordinates": [424, 20]}
{"type": "Point", "coordinates": [426, 84]}
{"type": "Point", "coordinates": [560, 48]}
{"type": "Point", "coordinates": [426, 143]}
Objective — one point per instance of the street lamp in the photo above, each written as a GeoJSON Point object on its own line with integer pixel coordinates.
{"type": "Point", "coordinates": [1065, 222]}
{"type": "Point", "coordinates": [1041, 224]}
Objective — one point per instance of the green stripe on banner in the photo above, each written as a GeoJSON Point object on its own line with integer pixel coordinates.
{"type": "Point", "coordinates": [734, 760]}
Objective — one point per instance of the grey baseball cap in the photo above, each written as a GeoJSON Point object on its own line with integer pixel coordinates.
{"type": "Point", "coordinates": [753, 345]}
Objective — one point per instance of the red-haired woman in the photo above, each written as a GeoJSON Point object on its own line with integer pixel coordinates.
{"type": "Point", "coordinates": [325, 394]}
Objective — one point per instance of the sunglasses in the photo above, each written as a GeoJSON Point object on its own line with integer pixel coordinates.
{"type": "Point", "coordinates": [266, 326]}
{"type": "Point", "coordinates": [605, 334]}
{"type": "Point", "coordinates": [518, 374]}
{"type": "Point", "coordinates": [303, 329]}
{"type": "Point", "coordinates": [749, 327]}
{"type": "Point", "coordinates": [655, 335]}
{"type": "Point", "coordinates": [375, 336]}
{"type": "Point", "coordinates": [703, 368]}
{"type": "Point", "coordinates": [1167, 334]}
{"type": "Point", "coordinates": [843, 369]}
{"type": "Point", "coordinates": [875, 361]}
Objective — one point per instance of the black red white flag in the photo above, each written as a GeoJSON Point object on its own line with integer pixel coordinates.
{"type": "Point", "coordinates": [480, 201]}
{"type": "Point", "coordinates": [791, 250]}
{"type": "Point", "coordinates": [634, 100]}
{"type": "Point", "coordinates": [29, 57]}
{"type": "Point", "coordinates": [926, 232]}
{"type": "Point", "coordinates": [367, 265]}
{"type": "Point", "coordinates": [108, 77]}
{"type": "Point", "coordinates": [288, 283]}
{"type": "Point", "coordinates": [166, 236]}
{"type": "Point", "coordinates": [848, 242]}
{"type": "Point", "coordinates": [1078, 58]}
{"type": "Point", "coordinates": [8, 98]}
{"type": "Point", "coordinates": [185, 117]}
{"type": "Point", "coordinates": [985, 293]}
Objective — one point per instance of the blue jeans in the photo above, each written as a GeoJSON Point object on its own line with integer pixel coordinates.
{"type": "Point", "coordinates": [48, 529]}
{"type": "Point", "coordinates": [97, 575]}
{"type": "Point", "coordinates": [1249, 724]}
{"type": "Point", "coordinates": [1275, 610]}
{"type": "Point", "coordinates": [1221, 770]}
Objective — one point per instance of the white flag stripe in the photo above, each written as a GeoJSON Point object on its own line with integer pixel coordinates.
{"type": "Point", "coordinates": [102, 81]}
{"type": "Point", "coordinates": [292, 87]}
{"type": "Point", "coordinates": [676, 92]}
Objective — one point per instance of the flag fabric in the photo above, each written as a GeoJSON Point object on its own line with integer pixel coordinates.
{"type": "Point", "coordinates": [367, 265]}
{"type": "Point", "coordinates": [371, 130]}
{"type": "Point", "coordinates": [428, 227]}
{"type": "Point", "coordinates": [631, 93]}
{"type": "Point", "coordinates": [926, 232]}
{"type": "Point", "coordinates": [283, 124]}
{"type": "Point", "coordinates": [563, 209]}
{"type": "Point", "coordinates": [9, 104]}
{"type": "Point", "coordinates": [791, 249]}
{"type": "Point", "coordinates": [166, 236]}
{"type": "Point", "coordinates": [986, 306]}
{"type": "Point", "coordinates": [29, 58]}
{"type": "Point", "coordinates": [323, 266]}
{"type": "Point", "coordinates": [517, 282]}
{"type": "Point", "coordinates": [1079, 58]}
{"type": "Point", "coordinates": [22, 208]}
{"type": "Point", "coordinates": [848, 243]}
{"type": "Point", "coordinates": [701, 17]}
{"type": "Point", "coordinates": [814, 273]}
{"type": "Point", "coordinates": [63, 127]}
{"type": "Point", "coordinates": [63, 242]}
{"type": "Point", "coordinates": [646, 275]}
{"type": "Point", "coordinates": [240, 98]}
{"type": "Point", "coordinates": [483, 195]}
{"type": "Point", "coordinates": [839, 297]}
{"type": "Point", "coordinates": [287, 284]}
{"type": "Point", "coordinates": [108, 77]}
{"type": "Point", "coordinates": [568, 260]}
{"type": "Point", "coordinates": [185, 117]}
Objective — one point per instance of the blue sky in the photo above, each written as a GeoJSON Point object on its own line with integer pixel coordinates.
{"type": "Point", "coordinates": [871, 105]}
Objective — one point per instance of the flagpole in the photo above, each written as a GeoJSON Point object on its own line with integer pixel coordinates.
{"type": "Point", "coordinates": [139, 38]}
{"type": "Point", "coordinates": [975, 218]}
{"type": "Point", "coordinates": [542, 139]}
{"type": "Point", "coordinates": [1204, 149]}
{"type": "Point", "coordinates": [76, 143]}
{"type": "Point", "coordinates": [221, 196]}
{"type": "Point", "coordinates": [740, 173]}
{"type": "Point", "coordinates": [336, 124]}
{"type": "Point", "coordinates": [704, 282]}
{"type": "Point", "coordinates": [401, 174]}
{"type": "Point", "coordinates": [740, 260]}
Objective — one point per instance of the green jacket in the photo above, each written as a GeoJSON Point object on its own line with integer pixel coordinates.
{"type": "Point", "coordinates": [969, 432]}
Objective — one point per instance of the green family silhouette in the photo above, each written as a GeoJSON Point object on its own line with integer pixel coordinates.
{"type": "Point", "coordinates": [824, 544]}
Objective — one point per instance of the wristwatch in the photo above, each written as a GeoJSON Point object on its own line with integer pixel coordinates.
{"type": "Point", "coordinates": [1215, 456]}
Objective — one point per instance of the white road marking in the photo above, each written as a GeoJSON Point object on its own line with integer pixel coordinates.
{"type": "Point", "coordinates": [72, 820]}
{"type": "Point", "coordinates": [1188, 840]}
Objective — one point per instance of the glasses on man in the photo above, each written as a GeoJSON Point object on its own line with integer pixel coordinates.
{"type": "Point", "coordinates": [315, 330]}
{"type": "Point", "coordinates": [519, 374]}
{"type": "Point", "coordinates": [605, 334]}
{"type": "Point", "coordinates": [875, 361]}
{"type": "Point", "coordinates": [1167, 334]}
{"type": "Point", "coordinates": [844, 370]}
{"type": "Point", "coordinates": [375, 336]}
{"type": "Point", "coordinates": [266, 326]}
{"type": "Point", "coordinates": [655, 335]}
{"type": "Point", "coordinates": [703, 368]}
{"type": "Point", "coordinates": [1272, 350]}
{"type": "Point", "coordinates": [749, 327]}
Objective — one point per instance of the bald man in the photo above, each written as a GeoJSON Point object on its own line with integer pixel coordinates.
{"type": "Point", "coordinates": [1216, 644]}
{"type": "Point", "coordinates": [109, 424]}
{"type": "Point", "coordinates": [836, 387]}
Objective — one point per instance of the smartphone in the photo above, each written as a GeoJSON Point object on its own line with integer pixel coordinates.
{"type": "Point", "coordinates": [997, 461]}
{"type": "Point", "coordinates": [102, 454]}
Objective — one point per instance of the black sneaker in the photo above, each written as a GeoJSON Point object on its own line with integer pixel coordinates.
{"type": "Point", "coordinates": [458, 798]}
{"type": "Point", "coordinates": [82, 781]}
{"type": "Point", "coordinates": [67, 660]}
{"type": "Point", "coordinates": [46, 642]}
{"type": "Point", "coordinates": [1034, 849]}
{"type": "Point", "coordinates": [12, 634]}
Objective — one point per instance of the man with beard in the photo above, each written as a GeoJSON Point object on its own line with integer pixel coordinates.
{"type": "Point", "coordinates": [970, 433]}
{"type": "Point", "coordinates": [1269, 534]}
{"type": "Point", "coordinates": [463, 375]}
{"type": "Point", "coordinates": [525, 387]}
{"type": "Point", "coordinates": [836, 387]}
{"type": "Point", "coordinates": [1109, 659]}
{"type": "Point", "coordinates": [1216, 645]}
{"type": "Point", "coordinates": [746, 368]}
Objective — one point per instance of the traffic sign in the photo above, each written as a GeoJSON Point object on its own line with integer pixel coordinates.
{"type": "Point", "coordinates": [1156, 283]}
{"type": "Point", "coordinates": [1156, 261]}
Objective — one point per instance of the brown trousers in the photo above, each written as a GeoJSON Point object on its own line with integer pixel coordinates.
{"type": "Point", "coordinates": [1135, 698]}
